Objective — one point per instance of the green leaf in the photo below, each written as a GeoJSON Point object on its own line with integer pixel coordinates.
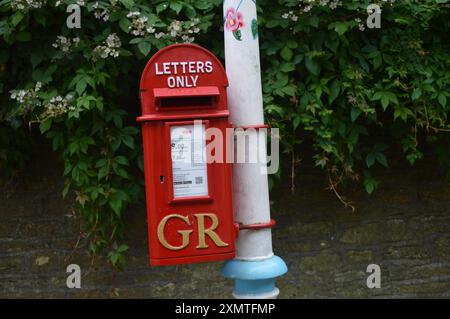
{"type": "Point", "coordinates": [101, 162]}
{"type": "Point", "coordinates": [416, 94]}
{"type": "Point", "coordinates": [370, 183]}
{"type": "Point", "coordinates": [65, 190]}
{"type": "Point", "coordinates": [386, 98]}
{"type": "Point", "coordinates": [144, 47]}
{"type": "Point", "coordinates": [103, 171]}
{"type": "Point", "coordinates": [161, 7]}
{"type": "Point", "coordinates": [124, 24]}
{"type": "Point", "coordinates": [176, 6]}
{"type": "Point", "coordinates": [237, 35]}
{"type": "Point", "coordinates": [36, 58]}
{"type": "Point", "coordinates": [116, 205]}
{"type": "Point", "coordinates": [286, 53]}
{"type": "Point", "coordinates": [81, 86]}
{"type": "Point", "coordinates": [442, 99]}
{"type": "Point", "coordinates": [312, 66]}
{"type": "Point", "coordinates": [128, 141]}
{"type": "Point", "coordinates": [45, 125]}
{"type": "Point", "coordinates": [340, 27]}
{"type": "Point", "coordinates": [114, 258]}
{"type": "Point", "coordinates": [403, 113]}
{"type": "Point", "coordinates": [122, 248]}
{"type": "Point", "coordinates": [116, 200]}
{"type": "Point", "coordinates": [254, 28]}
{"type": "Point", "coordinates": [16, 18]}
{"type": "Point", "coordinates": [370, 160]}
{"type": "Point", "coordinates": [287, 67]}
{"type": "Point", "coordinates": [384, 102]}
{"type": "Point", "coordinates": [369, 186]}
{"type": "Point", "coordinates": [290, 90]}
{"type": "Point", "coordinates": [127, 3]}
{"type": "Point", "coordinates": [381, 158]}
{"type": "Point", "coordinates": [40, 18]}
{"type": "Point", "coordinates": [121, 160]}
{"type": "Point", "coordinates": [296, 122]}
{"type": "Point", "coordinates": [354, 114]}
{"type": "Point", "coordinates": [203, 4]}
{"type": "Point", "coordinates": [335, 90]}
{"type": "Point", "coordinates": [136, 40]}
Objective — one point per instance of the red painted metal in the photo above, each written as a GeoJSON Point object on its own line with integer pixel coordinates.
{"type": "Point", "coordinates": [173, 95]}
{"type": "Point", "coordinates": [269, 224]}
{"type": "Point", "coordinates": [202, 91]}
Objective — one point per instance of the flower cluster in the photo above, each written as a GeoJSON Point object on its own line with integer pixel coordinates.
{"type": "Point", "coordinates": [57, 106]}
{"type": "Point", "coordinates": [290, 15]}
{"type": "Point", "coordinates": [81, 3]}
{"type": "Point", "coordinates": [138, 25]}
{"type": "Point", "coordinates": [25, 5]}
{"type": "Point", "coordinates": [65, 44]}
{"type": "Point", "coordinates": [109, 47]}
{"type": "Point", "coordinates": [99, 13]}
{"type": "Point", "coordinates": [361, 25]}
{"type": "Point", "coordinates": [24, 96]}
{"type": "Point", "coordinates": [307, 5]}
{"type": "Point", "coordinates": [176, 29]}
{"type": "Point", "coordinates": [185, 30]}
{"type": "Point", "coordinates": [28, 99]}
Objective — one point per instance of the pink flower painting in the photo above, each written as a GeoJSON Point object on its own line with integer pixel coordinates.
{"type": "Point", "coordinates": [233, 22]}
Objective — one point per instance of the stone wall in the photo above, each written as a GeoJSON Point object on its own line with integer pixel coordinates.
{"type": "Point", "coordinates": [404, 228]}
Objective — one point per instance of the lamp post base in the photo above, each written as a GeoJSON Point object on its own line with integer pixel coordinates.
{"type": "Point", "coordinates": [255, 279]}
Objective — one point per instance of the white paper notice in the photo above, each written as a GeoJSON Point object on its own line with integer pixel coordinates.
{"type": "Point", "coordinates": [188, 152]}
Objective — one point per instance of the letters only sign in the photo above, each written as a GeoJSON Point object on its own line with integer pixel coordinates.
{"type": "Point", "coordinates": [189, 205]}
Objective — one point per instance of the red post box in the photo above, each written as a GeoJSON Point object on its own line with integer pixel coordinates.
{"type": "Point", "coordinates": [189, 206]}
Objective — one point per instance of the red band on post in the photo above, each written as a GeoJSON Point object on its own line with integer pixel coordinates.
{"type": "Point", "coordinates": [270, 224]}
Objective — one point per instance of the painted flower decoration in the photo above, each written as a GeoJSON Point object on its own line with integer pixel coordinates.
{"type": "Point", "coordinates": [233, 22]}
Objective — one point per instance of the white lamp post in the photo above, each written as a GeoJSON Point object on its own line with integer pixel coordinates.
{"type": "Point", "coordinates": [255, 266]}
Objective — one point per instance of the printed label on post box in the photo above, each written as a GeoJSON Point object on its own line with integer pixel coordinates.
{"type": "Point", "coordinates": [188, 153]}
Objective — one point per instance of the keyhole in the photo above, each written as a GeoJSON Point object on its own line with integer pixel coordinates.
{"type": "Point", "coordinates": [161, 179]}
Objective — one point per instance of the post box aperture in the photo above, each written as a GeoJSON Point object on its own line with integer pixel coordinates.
{"type": "Point", "coordinates": [189, 205]}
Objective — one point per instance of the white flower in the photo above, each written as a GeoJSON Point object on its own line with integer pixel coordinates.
{"type": "Point", "coordinates": [109, 47]}
{"type": "Point", "coordinates": [159, 35]}
{"type": "Point", "coordinates": [64, 44]}
{"type": "Point", "coordinates": [26, 5]}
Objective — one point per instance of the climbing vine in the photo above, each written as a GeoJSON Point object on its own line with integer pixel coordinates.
{"type": "Point", "coordinates": [326, 76]}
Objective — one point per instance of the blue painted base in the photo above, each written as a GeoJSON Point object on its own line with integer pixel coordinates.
{"type": "Point", "coordinates": [255, 278]}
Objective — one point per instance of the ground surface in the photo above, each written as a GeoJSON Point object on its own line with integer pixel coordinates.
{"type": "Point", "coordinates": [404, 227]}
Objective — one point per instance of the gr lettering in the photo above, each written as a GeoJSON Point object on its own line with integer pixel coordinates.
{"type": "Point", "coordinates": [185, 234]}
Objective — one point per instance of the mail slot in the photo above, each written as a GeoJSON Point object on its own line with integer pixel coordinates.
{"type": "Point", "coordinates": [189, 202]}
